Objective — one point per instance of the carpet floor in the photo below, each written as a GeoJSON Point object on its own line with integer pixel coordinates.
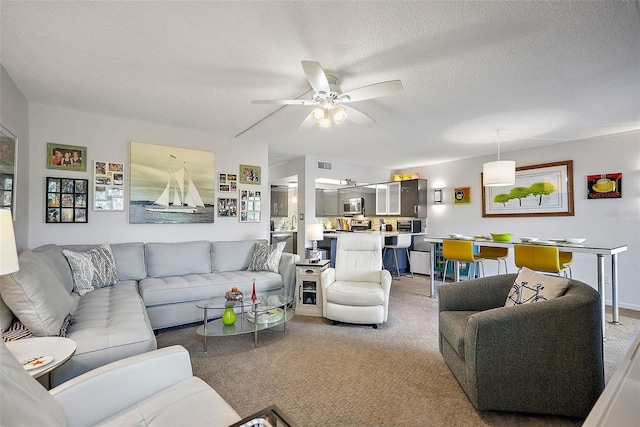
{"type": "Point", "coordinates": [348, 375]}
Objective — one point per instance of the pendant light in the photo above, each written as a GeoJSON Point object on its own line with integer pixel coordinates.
{"type": "Point", "coordinates": [499, 173]}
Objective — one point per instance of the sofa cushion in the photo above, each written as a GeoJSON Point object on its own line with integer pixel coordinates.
{"type": "Point", "coordinates": [36, 296]}
{"type": "Point", "coordinates": [93, 269]}
{"type": "Point", "coordinates": [111, 324]}
{"type": "Point", "coordinates": [178, 259]}
{"type": "Point", "coordinates": [167, 408]}
{"type": "Point", "coordinates": [266, 257]}
{"type": "Point", "coordinates": [58, 262]}
{"type": "Point", "coordinates": [355, 293]}
{"type": "Point", "coordinates": [530, 287]}
{"type": "Point", "coordinates": [452, 327]}
{"type": "Point", "coordinates": [129, 259]}
{"type": "Point", "coordinates": [196, 287]}
{"type": "Point", "coordinates": [232, 256]}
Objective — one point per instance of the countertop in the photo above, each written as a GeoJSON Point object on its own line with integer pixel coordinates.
{"type": "Point", "coordinates": [334, 234]}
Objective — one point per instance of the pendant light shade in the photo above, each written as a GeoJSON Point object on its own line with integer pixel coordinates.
{"type": "Point", "coordinates": [499, 173]}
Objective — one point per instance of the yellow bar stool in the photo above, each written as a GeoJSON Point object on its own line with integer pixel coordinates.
{"type": "Point", "coordinates": [403, 241]}
{"type": "Point", "coordinates": [566, 258]}
{"type": "Point", "coordinates": [539, 258]}
{"type": "Point", "coordinates": [460, 251]}
{"type": "Point", "coordinates": [495, 254]}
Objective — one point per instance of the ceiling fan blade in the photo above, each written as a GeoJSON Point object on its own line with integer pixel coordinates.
{"type": "Point", "coordinates": [307, 123]}
{"type": "Point", "coordinates": [358, 117]}
{"type": "Point", "coordinates": [285, 101]}
{"type": "Point", "coordinates": [316, 76]}
{"type": "Point", "coordinates": [371, 91]}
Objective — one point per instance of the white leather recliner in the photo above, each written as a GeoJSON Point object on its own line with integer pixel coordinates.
{"type": "Point", "coordinates": [357, 289]}
{"type": "Point", "coordinates": [151, 389]}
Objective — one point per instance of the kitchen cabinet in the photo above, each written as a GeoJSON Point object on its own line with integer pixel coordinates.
{"type": "Point", "coordinates": [327, 203]}
{"type": "Point", "coordinates": [413, 198]}
{"type": "Point", "coordinates": [290, 238]}
{"type": "Point", "coordinates": [279, 201]}
{"type": "Point", "coordinates": [369, 195]}
{"type": "Point", "coordinates": [388, 198]}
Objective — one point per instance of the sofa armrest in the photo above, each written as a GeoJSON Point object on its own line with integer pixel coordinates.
{"type": "Point", "coordinates": [287, 269]}
{"type": "Point", "coordinates": [476, 294]}
{"type": "Point", "coordinates": [125, 383]}
{"type": "Point", "coordinates": [551, 349]}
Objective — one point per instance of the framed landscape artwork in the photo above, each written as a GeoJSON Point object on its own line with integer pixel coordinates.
{"type": "Point", "coordinates": [171, 185]}
{"type": "Point", "coordinates": [540, 190]}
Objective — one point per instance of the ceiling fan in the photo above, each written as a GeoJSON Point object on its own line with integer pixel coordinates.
{"type": "Point", "coordinates": [329, 100]}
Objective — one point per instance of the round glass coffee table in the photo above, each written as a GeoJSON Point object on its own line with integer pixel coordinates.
{"type": "Point", "coordinates": [267, 311]}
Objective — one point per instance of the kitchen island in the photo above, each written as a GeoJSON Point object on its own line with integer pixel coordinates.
{"type": "Point", "coordinates": [330, 242]}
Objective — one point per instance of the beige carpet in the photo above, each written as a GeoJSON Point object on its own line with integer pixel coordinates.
{"type": "Point", "coordinates": [325, 375]}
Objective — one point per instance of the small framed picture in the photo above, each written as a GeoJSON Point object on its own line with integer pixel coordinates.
{"type": "Point", "coordinates": [66, 157]}
{"type": "Point", "coordinates": [249, 174]}
{"type": "Point", "coordinates": [66, 200]}
{"type": "Point", "coordinates": [108, 186]}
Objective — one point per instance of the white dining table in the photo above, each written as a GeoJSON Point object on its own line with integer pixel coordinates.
{"type": "Point", "coordinates": [600, 250]}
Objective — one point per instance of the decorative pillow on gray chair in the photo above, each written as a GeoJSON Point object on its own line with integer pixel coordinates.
{"type": "Point", "coordinates": [531, 287]}
{"type": "Point", "coordinates": [93, 269]}
{"type": "Point", "coordinates": [266, 257]}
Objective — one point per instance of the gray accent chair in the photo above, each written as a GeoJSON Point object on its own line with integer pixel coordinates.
{"type": "Point", "coordinates": [544, 358]}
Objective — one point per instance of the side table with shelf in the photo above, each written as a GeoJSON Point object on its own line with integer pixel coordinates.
{"type": "Point", "coordinates": [308, 288]}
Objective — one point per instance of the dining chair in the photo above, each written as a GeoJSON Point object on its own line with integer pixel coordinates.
{"type": "Point", "coordinates": [495, 254]}
{"type": "Point", "coordinates": [460, 251]}
{"type": "Point", "coordinates": [540, 258]}
{"type": "Point", "coordinates": [403, 241]}
{"type": "Point", "coordinates": [566, 258]}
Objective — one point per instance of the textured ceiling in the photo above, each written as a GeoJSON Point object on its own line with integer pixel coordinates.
{"type": "Point", "coordinates": [537, 72]}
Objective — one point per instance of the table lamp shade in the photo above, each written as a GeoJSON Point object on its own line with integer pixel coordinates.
{"type": "Point", "coordinates": [315, 232]}
{"type": "Point", "coordinates": [8, 252]}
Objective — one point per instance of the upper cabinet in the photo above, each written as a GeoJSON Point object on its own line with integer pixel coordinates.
{"type": "Point", "coordinates": [388, 198]}
{"type": "Point", "coordinates": [369, 195]}
{"type": "Point", "coordinates": [327, 203]}
{"type": "Point", "coordinates": [414, 198]}
{"type": "Point", "coordinates": [279, 200]}
{"type": "Point", "coordinates": [403, 198]}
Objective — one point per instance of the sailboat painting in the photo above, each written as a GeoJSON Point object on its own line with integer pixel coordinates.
{"type": "Point", "coordinates": [171, 185]}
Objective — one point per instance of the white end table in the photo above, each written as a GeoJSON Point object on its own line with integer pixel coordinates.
{"type": "Point", "coordinates": [61, 349]}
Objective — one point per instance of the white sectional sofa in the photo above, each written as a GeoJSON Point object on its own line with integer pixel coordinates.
{"type": "Point", "coordinates": [159, 287]}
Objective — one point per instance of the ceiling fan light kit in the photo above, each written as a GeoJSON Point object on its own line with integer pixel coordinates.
{"type": "Point", "coordinates": [328, 98]}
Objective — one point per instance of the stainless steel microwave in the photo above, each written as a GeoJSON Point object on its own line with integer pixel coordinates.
{"type": "Point", "coordinates": [353, 207]}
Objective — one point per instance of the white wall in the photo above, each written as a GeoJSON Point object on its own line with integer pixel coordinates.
{"type": "Point", "coordinates": [14, 115]}
{"type": "Point", "coordinates": [306, 170]}
{"type": "Point", "coordinates": [108, 138]}
{"type": "Point", "coordinates": [610, 221]}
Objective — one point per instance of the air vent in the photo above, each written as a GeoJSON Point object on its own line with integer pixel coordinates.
{"type": "Point", "coordinates": [327, 166]}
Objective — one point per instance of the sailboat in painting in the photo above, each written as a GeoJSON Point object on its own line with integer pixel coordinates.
{"type": "Point", "coordinates": [186, 198]}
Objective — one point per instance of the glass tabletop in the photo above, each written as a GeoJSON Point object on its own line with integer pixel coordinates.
{"type": "Point", "coordinates": [263, 302]}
